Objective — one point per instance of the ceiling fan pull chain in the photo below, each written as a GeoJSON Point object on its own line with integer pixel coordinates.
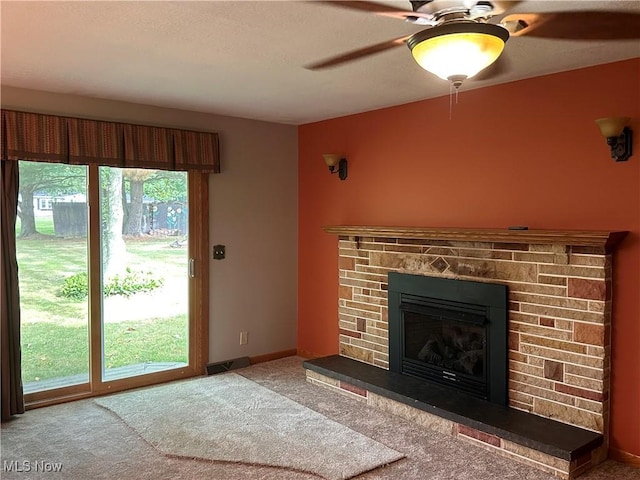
{"type": "Point", "coordinates": [452, 87]}
{"type": "Point", "coordinates": [450, 99]}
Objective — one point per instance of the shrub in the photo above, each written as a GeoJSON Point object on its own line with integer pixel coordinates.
{"type": "Point", "coordinates": [131, 282]}
{"type": "Point", "coordinates": [76, 286]}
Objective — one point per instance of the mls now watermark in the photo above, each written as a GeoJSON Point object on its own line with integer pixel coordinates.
{"type": "Point", "coordinates": [28, 466]}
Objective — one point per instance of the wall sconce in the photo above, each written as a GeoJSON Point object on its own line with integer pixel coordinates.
{"type": "Point", "coordinates": [332, 160]}
{"type": "Point", "coordinates": [618, 136]}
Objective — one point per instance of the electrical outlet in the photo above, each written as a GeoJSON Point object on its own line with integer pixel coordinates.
{"type": "Point", "coordinates": [244, 338]}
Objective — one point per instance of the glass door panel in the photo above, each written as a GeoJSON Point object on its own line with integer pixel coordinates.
{"type": "Point", "coordinates": [145, 283]}
{"type": "Point", "coordinates": [51, 248]}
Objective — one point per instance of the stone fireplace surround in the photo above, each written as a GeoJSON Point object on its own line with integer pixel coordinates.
{"type": "Point", "coordinates": [560, 290]}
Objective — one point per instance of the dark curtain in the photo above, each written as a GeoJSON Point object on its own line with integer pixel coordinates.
{"type": "Point", "coordinates": [12, 398]}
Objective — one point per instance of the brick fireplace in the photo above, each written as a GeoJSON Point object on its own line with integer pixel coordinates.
{"type": "Point", "coordinates": [559, 311]}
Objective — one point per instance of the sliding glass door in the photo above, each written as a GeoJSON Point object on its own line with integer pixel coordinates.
{"type": "Point", "coordinates": [105, 279]}
{"type": "Point", "coordinates": [145, 284]}
{"type": "Point", "coordinates": [52, 252]}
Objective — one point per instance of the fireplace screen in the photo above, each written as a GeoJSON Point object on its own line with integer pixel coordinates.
{"type": "Point", "coordinates": [450, 332]}
{"type": "Point", "coordinates": [445, 346]}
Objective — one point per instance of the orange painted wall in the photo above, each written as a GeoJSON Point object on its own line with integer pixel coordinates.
{"type": "Point", "coordinates": [522, 153]}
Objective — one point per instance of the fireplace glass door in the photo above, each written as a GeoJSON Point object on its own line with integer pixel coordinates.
{"type": "Point", "coordinates": [445, 346]}
{"type": "Point", "coordinates": [450, 333]}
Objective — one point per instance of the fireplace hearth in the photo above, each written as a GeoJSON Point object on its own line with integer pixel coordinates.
{"type": "Point", "coordinates": [450, 332]}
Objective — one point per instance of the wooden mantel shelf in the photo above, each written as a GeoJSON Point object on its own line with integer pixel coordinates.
{"type": "Point", "coordinates": [591, 238]}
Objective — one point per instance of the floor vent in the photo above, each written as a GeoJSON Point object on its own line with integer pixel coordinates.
{"type": "Point", "coordinates": [221, 367]}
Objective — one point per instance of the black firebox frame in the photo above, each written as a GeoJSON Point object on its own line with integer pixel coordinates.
{"type": "Point", "coordinates": [490, 299]}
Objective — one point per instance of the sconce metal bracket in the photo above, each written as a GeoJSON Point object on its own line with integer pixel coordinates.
{"type": "Point", "coordinates": [337, 164]}
{"type": "Point", "coordinates": [342, 169]}
{"type": "Point", "coordinates": [621, 146]}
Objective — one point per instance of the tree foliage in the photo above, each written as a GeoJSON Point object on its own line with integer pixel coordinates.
{"type": "Point", "coordinates": [166, 187]}
{"type": "Point", "coordinates": [56, 179]}
{"type": "Point", "coordinates": [53, 179]}
{"type": "Point", "coordinates": [50, 179]}
{"type": "Point", "coordinates": [159, 186]}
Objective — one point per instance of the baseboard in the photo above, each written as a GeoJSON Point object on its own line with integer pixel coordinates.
{"type": "Point", "coordinates": [308, 355]}
{"type": "Point", "coordinates": [624, 457]}
{"type": "Point", "coordinates": [273, 356]}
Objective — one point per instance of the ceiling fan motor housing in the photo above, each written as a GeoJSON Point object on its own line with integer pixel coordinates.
{"type": "Point", "coordinates": [474, 9]}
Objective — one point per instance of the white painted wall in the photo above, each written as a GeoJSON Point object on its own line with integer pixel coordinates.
{"type": "Point", "coordinates": [253, 211]}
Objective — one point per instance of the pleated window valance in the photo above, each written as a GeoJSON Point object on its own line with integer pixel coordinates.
{"type": "Point", "coordinates": [77, 141]}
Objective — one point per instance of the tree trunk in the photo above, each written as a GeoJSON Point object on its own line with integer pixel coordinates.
{"type": "Point", "coordinates": [26, 214]}
{"type": "Point", "coordinates": [134, 221]}
{"type": "Point", "coordinates": [114, 260]}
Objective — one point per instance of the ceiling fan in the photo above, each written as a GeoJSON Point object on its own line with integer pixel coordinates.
{"type": "Point", "coordinates": [463, 37]}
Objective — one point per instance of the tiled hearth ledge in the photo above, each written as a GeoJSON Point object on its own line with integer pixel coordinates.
{"type": "Point", "coordinates": [560, 286]}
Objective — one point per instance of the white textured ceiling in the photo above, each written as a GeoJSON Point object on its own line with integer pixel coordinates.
{"type": "Point", "coordinates": [247, 58]}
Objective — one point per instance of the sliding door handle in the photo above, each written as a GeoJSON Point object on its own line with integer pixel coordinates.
{"type": "Point", "coordinates": [192, 267]}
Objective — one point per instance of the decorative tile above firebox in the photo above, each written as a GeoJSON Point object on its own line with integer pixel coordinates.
{"type": "Point", "coordinates": [559, 284]}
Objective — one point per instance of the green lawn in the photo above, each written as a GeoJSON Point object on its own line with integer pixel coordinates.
{"type": "Point", "coordinates": [147, 327]}
{"type": "Point", "coordinates": [53, 351]}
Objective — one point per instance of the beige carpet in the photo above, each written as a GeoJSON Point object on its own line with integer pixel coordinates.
{"type": "Point", "coordinates": [230, 418]}
{"type": "Point", "coordinates": [91, 442]}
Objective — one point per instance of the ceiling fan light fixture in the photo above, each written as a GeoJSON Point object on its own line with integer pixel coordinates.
{"type": "Point", "coordinates": [458, 50]}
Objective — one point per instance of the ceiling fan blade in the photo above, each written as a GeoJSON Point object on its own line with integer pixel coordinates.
{"type": "Point", "coordinates": [356, 54]}
{"type": "Point", "coordinates": [377, 9]}
{"type": "Point", "coordinates": [578, 25]}
{"type": "Point", "coordinates": [504, 5]}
